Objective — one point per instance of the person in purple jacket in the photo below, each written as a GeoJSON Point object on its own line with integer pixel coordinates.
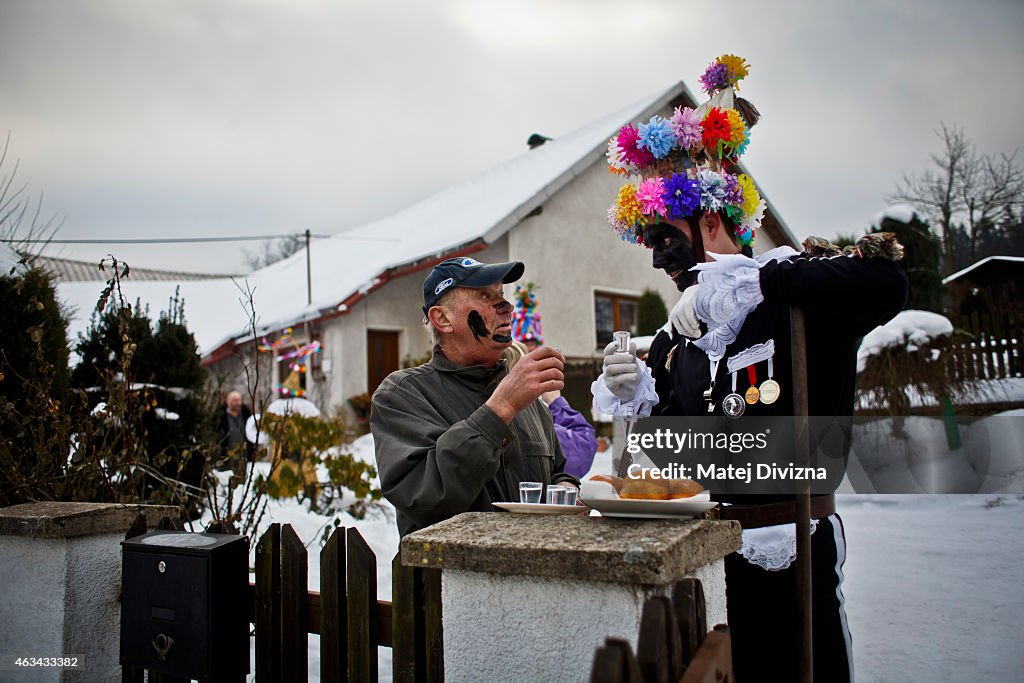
{"type": "Point", "coordinates": [575, 434]}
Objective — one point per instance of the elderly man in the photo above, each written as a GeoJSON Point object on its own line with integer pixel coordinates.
{"type": "Point", "coordinates": [461, 431]}
{"type": "Point", "coordinates": [231, 426]}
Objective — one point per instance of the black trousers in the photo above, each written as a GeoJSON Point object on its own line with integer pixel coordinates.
{"type": "Point", "coordinates": [763, 615]}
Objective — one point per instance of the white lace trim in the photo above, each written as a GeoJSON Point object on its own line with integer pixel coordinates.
{"type": "Point", "coordinates": [772, 547]}
{"type": "Point", "coordinates": [729, 288]}
{"type": "Point", "coordinates": [607, 403]}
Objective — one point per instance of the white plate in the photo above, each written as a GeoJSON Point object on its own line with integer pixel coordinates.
{"type": "Point", "coordinates": [650, 509]}
{"type": "Point", "coordinates": [543, 508]}
{"type": "Point", "coordinates": [602, 497]}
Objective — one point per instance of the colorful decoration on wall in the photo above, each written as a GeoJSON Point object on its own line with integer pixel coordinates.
{"type": "Point", "coordinates": [293, 385]}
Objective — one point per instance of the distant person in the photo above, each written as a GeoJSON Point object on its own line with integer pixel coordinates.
{"type": "Point", "coordinates": [462, 430]}
{"type": "Point", "coordinates": [231, 427]}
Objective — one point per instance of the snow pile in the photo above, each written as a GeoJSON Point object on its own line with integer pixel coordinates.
{"type": "Point", "coordinates": [904, 213]}
{"type": "Point", "coordinates": [912, 329]}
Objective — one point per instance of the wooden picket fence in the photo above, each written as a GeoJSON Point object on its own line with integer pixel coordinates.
{"type": "Point", "coordinates": [345, 613]}
{"type": "Point", "coordinates": [987, 347]}
{"type": "Point", "coordinates": [673, 644]}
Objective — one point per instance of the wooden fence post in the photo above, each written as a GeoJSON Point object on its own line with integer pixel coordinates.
{"type": "Point", "coordinates": [433, 633]}
{"type": "Point", "coordinates": [333, 609]}
{"type": "Point", "coordinates": [408, 651]}
{"type": "Point", "coordinates": [658, 650]}
{"type": "Point", "coordinates": [691, 615]}
{"type": "Point", "coordinates": [614, 663]}
{"type": "Point", "coordinates": [362, 609]}
{"type": "Point", "coordinates": [281, 606]}
{"type": "Point", "coordinates": [713, 662]}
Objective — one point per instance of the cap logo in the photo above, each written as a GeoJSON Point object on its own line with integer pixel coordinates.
{"type": "Point", "coordinates": [467, 262]}
{"type": "Point", "coordinates": [443, 285]}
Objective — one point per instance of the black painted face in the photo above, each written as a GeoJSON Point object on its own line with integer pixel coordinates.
{"type": "Point", "coordinates": [672, 252]}
{"type": "Point", "coordinates": [500, 313]}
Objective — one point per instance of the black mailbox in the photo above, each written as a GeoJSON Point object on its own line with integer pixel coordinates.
{"type": "Point", "coordinates": [183, 604]}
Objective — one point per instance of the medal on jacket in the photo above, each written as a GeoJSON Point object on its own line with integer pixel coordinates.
{"type": "Point", "coordinates": [770, 389]}
{"type": "Point", "coordinates": [733, 404]}
{"type": "Point", "coordinates": [752, 393]}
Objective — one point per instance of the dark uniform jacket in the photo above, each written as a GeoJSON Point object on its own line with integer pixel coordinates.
{"type": "Point", "coordinates": [440, 451]}
{"type": "Point", "coordinates": [843, 298]}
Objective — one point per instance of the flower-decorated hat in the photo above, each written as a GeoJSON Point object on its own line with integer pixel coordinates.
{"type": "Point", "coordinates": [678, 167]}
{"type": "Point", "coordinates": [526, 319]}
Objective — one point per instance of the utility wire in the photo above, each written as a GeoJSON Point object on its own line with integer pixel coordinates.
{"type": "Point", "coordinates": [184, 240]}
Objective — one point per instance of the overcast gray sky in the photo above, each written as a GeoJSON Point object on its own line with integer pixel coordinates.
{"type": "Point", "coordinates": [236, 117]}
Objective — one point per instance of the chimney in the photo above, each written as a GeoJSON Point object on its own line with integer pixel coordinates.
{"type": "Point", "coordinates": [536, 140]}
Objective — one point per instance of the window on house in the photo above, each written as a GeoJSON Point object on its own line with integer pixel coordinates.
{"type": "Point", "coordinates": [613, 312]}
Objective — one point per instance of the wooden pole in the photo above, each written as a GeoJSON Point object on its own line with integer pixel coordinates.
{"type": "Point", "coordinates": [803, 499]}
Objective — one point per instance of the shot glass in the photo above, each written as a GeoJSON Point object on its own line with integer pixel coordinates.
{"type": "Point", "coordinates": [570, 495]}
{"type": "Point", "coordinates": [529, 491]}
{"type": "Point", "coordinates": [556, 495]}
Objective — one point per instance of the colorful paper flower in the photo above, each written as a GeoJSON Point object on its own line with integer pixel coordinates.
{"type": "Point", "coordinates": [629, 137]}
{"type": "Point", "coordinates": [656, 137]}
{"type": "Point", "coordinates": [715, 129]}
{"type": "Point", "coordinates": [627, 207]}
{"type": "Point", "coordinates": [625, 232]}
{"type": "Point", "coordinates": [686, 127]}
{"type": "Point", "coordinates": [751, 197]}
{"type": "Point", "coordinates": [736, 67]}
{"type": "Point", "coordinates": [616, 159]}
{"type": "Point", "coordinates": [681, 196]}
{"type": "Point", "coordinates": [712, 190]}
{"type": "Point", "coordinates": [716, 77]}
{"type": "Point", "coordinates": [650, 194]}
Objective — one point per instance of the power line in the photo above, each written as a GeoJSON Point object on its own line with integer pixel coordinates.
{"type": "Point", "coordinates": [186, 240]}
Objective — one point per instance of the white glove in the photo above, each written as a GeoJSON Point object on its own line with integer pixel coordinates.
{"type": "Point", "coordinates": [622, 371]}
{"type": "Point", "coordinates": [684, 315]}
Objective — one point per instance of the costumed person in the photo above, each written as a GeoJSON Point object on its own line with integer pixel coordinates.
{"type": "Point", "coordinates": [575, 434]}
{"type": "Point", "coordinates": [462, 430]}
{"type": "Point", "coordinates": [732, 323]}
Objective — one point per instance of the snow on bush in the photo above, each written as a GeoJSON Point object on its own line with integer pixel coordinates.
{"type": "Point", "coordinates": [904, 213]}
{"type": "Point", "coordinates": [912, 329]}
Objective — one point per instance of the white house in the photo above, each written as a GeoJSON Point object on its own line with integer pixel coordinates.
{"type": "Point", "coordinates": [546, 207]}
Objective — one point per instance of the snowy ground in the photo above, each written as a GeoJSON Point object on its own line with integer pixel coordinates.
{"type": "Point", "coordinates": [934, 583]}
{"type": "Point", "coordinates": [935, 586]}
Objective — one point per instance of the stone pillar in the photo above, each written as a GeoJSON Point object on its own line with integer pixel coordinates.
{"type": "Point", "coordinates": [530, 597]}
{"type": "Point", "coordinates": [60, 565]}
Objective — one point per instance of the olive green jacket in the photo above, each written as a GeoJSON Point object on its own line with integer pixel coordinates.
{"type": "Point", "coordinates": [441, 451]}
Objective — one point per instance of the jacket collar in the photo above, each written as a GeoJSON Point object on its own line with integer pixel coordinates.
{"type": "Point", "coordinates": [471, 374]}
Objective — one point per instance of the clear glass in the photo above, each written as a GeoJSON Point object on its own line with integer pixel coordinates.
{"type": "Point", "coordinates": [529, 491]}
{"type": "Point", "coordinates": [556, 495]}
{"type": "Point", "coordinates": [570, 495]}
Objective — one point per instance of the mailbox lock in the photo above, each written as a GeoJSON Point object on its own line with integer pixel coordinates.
{"type": "Point", "coordinates": [162, 567]}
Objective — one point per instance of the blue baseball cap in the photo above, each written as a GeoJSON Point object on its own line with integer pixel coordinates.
{"type": "Point", "coordinates": [466, 272]}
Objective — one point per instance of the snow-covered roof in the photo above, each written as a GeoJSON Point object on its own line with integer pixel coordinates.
{"type": "Point", "coordinates": [356, 261]}
{"type": "Point", "coordinates": [1013, 259]}
{"type": "Point", "coordinates": [10, 262]}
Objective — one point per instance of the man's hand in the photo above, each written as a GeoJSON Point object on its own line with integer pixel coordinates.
{"type": "Point", "coordinates": [538, 372]}
{"type": "Point", "coordinates": [684, 316]}
{"type": "Point", "coordinates": [621, 371]}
